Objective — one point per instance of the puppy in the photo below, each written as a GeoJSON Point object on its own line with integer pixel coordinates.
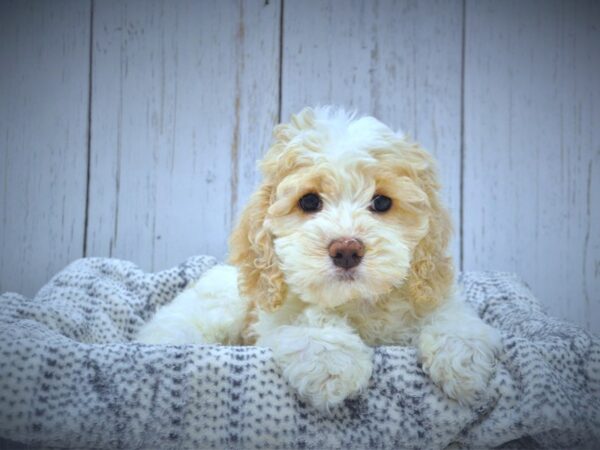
{"type": "Point", "coordinates": [343, 247]}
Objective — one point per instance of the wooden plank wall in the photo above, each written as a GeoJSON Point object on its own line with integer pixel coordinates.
{"type": "Point", "coordinates": [532, 149]}
{"type": "Point", "coordinates": [184, 100]}
{"type": "Point", "coordinates": [44, 100]}
{"type": "Point", "coordinates": [131, 129]}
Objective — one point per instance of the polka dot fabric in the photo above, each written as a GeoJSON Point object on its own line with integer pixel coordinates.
{"type": "Point", "coordinates": [70, 377]}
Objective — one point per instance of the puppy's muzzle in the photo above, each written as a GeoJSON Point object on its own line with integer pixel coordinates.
{"type": "Point", "coordinates": [346, 252]}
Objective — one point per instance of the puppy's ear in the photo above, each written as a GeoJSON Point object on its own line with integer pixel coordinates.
{"type": "Point", "coordinates": [251, 244]}
{"type": "Point", "coordinates": [251, 250]}
{"type": "Point", "coordinates": [431, 275]}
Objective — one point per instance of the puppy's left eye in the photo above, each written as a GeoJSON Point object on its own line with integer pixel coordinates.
{"type": "Point", "coordinates": [310, 203]}
{"type": "Point", "coordinates": [380, 203]}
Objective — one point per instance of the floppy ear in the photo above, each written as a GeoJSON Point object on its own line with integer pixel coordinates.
{"type": "Point", "coordinates": [431, 274]}
{"type": "Point", "coordinates": [251, 250]}
{"type": "Point", "coordinates": [251, 244]}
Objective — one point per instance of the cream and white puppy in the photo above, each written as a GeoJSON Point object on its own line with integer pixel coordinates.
{"type": "Point", "coordinates": [343, 247]}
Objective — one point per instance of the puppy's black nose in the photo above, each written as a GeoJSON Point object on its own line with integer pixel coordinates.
{"type": "Point", "coordinates": [346, 252]}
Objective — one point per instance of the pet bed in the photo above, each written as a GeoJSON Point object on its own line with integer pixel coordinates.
{"type": "Point", "coordinates": [71, 377]}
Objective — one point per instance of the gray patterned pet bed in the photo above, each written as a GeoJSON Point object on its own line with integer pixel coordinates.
{"type": "Point", "coordinates": [70, 377]}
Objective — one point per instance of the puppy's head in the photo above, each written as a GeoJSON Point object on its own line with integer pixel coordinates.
{"type": "Point", "coordinates": [347, 211]}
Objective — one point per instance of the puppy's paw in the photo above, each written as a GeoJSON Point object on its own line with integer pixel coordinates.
{"type": "Point", "coordinates": [327, 369]}
{"type": "Point", "coordinates": [461, 365]}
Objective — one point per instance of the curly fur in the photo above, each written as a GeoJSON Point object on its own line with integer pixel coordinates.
{"type": "Point", "coordinates": [318, 319]}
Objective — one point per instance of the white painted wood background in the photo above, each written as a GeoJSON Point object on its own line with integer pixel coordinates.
{"type": "Point", "coordinates": [131, 128]}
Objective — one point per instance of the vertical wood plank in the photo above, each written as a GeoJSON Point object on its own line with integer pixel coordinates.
{"type": "Point", "coordinates": [185, 95]}
{"type": "Point", "coordinates": [397, 60]}
{"type": "Point", "coordinates": [44, 48]}
{"type": "Point", "coordinates": [532, 149]}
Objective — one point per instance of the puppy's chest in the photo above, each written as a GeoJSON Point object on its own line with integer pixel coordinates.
{"type": "Point", "coordinates": [387, 324]}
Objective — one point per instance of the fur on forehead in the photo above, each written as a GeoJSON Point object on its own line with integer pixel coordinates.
{"type": "Point", "coordinates": [339, 138]}
{"type": "Point", "coordinates": [342, 136]}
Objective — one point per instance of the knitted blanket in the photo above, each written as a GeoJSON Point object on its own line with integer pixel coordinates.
{"type": "Point", "coordinates": [71, 377]}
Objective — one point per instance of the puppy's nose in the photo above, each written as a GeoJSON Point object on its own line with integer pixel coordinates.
{"type": "Point", "coordinates": [346, 252]}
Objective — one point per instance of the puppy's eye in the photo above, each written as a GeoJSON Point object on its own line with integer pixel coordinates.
{"type": "Point", "coordinates": [380, 203]}
{"type": "Point", "coordinates": [310, 203]}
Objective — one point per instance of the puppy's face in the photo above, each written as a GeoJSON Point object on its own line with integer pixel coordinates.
{"type": "Point", "coordinates": [347, 211]}
{"type": "Point", "coordinates": [346, 215]}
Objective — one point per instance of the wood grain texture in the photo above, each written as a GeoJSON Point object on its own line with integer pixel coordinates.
{"type": "Point", "coordinates": [185, 96]}
{"type": "Point", "coordinates": [532, 149]}
{"type": "Point", "coordinates": [44, 49]}
{"type": "Point", "coordinates": [397, 60]}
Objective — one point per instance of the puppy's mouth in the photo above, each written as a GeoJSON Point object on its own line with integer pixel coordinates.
{"type": "Point", "coordinates": [347, 275]}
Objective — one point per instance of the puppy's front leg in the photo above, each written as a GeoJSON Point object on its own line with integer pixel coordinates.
{"type": "Point", "coordinates": [320, 356]}
{"type": "Point", "coordinates": [458, 350]}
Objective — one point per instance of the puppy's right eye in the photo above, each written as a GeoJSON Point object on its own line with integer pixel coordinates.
{"type": "Point", "coordinates": [310, 203]}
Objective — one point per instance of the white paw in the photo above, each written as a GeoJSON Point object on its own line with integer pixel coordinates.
{"type": "Point", "coordinates": [461, 364]}
{"type": "Point", "coordinates": [325, 369]}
